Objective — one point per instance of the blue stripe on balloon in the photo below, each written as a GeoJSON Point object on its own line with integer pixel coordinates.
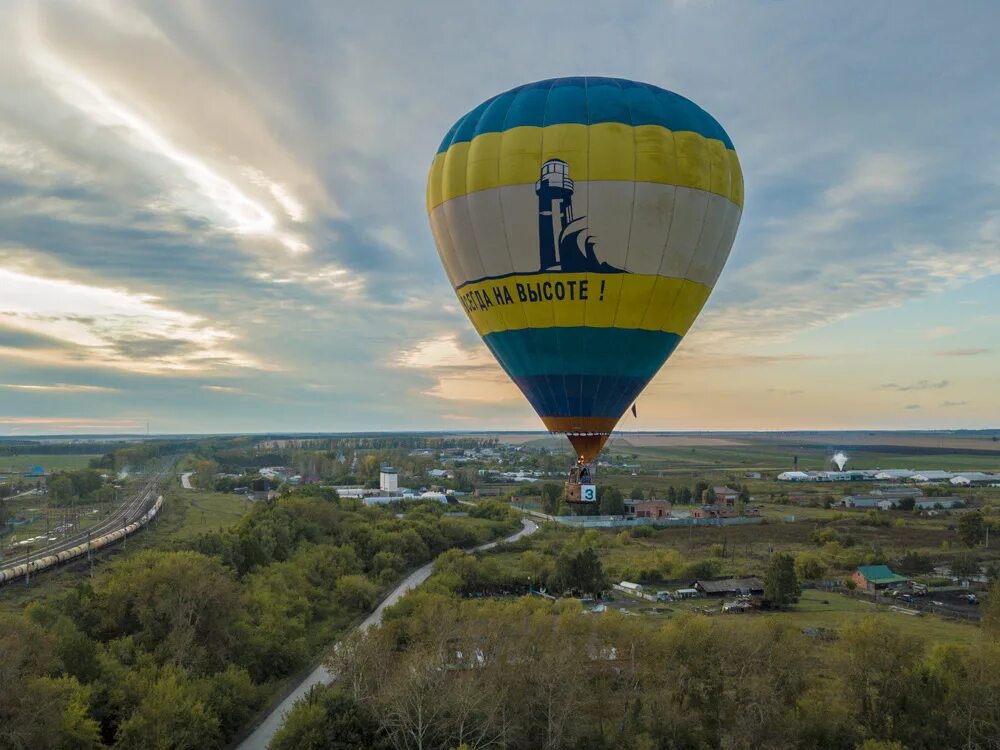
{"type": "Point", "coordinates": [581, 350]}
{"type": "Point", "coordinates": [585, 101]}
{"type": "Point", "coordinates": [580, 395]}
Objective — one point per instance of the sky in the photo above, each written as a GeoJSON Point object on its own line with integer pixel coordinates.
{"type": "Point", "coordinates": [212, 214]}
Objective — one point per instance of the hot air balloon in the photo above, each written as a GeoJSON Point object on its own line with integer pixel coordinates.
{"type": "Point", "coordinates": [583, 222]}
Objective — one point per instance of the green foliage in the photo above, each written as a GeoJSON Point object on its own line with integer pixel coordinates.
{"type": "Point", "coordinates": [809, 567]}
{"type": "Point", "coordinates": [356, 592]}
{"type": "Point", "coordinates": [781, 586]}
{"type": "Point", "coordinates": [706, 568]}
{"type": "Point", "coordinates": [914, 564]}
{"type": "Point", "coordinates": [610, 500]}
{"type": "Point", "coordinates": [180, 606]}
{"type": "Point", "coordinates": [178, 648]}
{"type": "Point", "coordinates": [965, 565]}
{"type": "Point", "coordinates": [971, 528]}
{"type": "Point", "coordinates": [636, 494]}
{"type": "Point", "coordinates": [581, 572]}
{"type": "Point", "coordinates": [328, 718]}
{"type": "Point", "coordinates": [991, 613]}
{"type": "Point", "coordinates": [551, 495]}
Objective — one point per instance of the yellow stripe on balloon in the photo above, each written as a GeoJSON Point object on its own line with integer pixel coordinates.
{"type": "Point", "coordinates": [605, 151]}
{"type": "Point", "coordinates": [553, 300]}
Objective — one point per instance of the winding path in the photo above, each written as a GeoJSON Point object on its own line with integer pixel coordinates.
{"type": "Point", "coordinates": [266, 730]}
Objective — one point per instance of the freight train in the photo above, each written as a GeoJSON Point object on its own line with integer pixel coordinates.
{"type": "Point", "coordinates": [44, 563]}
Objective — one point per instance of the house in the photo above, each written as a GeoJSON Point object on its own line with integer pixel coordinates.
{"type": "Point", "coordinates": [932, 476]}
{"type": "Point", "coordinates": [713, 511]}
{"type": "Point", "coordinates": [859, 501]}
{"type": "Point", "coordinates": [973, 478]}
{"type": "Point", "coordinates": [726, 496]}
{"type": "Point", "coordinates": [877, 578]}
{"type": "Point", "coordinates": [730, 587]}
{"type": "Point", "coordinates": [648, 508]}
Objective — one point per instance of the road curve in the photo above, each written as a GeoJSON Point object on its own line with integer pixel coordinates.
{"type": "Point", "coordinates": [266, 730]}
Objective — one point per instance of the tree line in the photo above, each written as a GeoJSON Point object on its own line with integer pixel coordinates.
{"type": "Point", "coordinates": [442, 672]}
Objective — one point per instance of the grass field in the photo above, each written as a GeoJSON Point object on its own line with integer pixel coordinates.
{"type": "Point", "coordinates": [831, 610]}
{"type": "Point", "coordinates": [22, 463]}
{"type": "Point", "coordinates": [205, 511]}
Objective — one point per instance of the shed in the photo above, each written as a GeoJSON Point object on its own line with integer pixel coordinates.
{"type": "Point", "coordinates": [730, 586]}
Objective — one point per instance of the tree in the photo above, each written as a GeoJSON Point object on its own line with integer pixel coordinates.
{"type": "Point", "coordinates": [551, 494]}
{"type": "Point", "coordinates": [781, 586]}
{"type": "Point", "coordinates": [356, 592]}
{"type": "Point", "coordinates": [611, 501]}
{"type": "Point", "coordinates": [907, 503]}
{"type": "Point", "coordinates": [328, 718]}
{"type": "Point", "coordinates": [809, 567]}
{"type": "Point", "coordinates": [636, 494]}
{"type": "Point", "coordinates": [204, 474]}
{"type": "Point", "coordinates": [971, 528]}
{"type": "Point", "coordinates": [580, 572]}
{"type": "Point", "coordinates": [61, 490]}
{"type": "Point", "coordinates": [965, 565]}
{"type": "Point", "coordinates": [708, 496]}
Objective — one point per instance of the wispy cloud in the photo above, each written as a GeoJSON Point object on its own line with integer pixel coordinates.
{"type": "Point", "coordinates": [58, 388]}
{"type": "Point", "coordinates": [968, 352]}
{"type": "Point", "coordinates": [920, 385]}
{"type": "Point", "coordinates": [113, 327]}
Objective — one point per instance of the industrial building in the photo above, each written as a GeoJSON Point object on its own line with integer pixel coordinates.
{"type": "Point", "coordinates": [388, 480]}
{"type": "Point", "coordinates": [974, 479]}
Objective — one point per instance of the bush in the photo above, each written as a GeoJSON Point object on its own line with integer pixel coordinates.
{"type": "Point", "coordinates": [809, 567]}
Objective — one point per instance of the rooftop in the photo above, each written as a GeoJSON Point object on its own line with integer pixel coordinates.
{"type": "Point", "coordinates": [880, 574]}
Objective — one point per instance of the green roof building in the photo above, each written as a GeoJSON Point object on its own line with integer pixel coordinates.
{"type": "Point", "coordinates": [877, 577]}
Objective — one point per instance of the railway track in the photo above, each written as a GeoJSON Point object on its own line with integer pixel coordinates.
{"type": "Point", "coordinates": [138, 509]}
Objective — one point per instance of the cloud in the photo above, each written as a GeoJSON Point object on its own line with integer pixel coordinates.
{"type": "Point", "coordinates": [952, 404]}
{"type": "Point", "coordinates": [198, 195]}
{"type": "Point", "coordinates": [113, 327]}
{"type": "Point", "coordinates": [461, 373]}
{"type": "Point", "coordinates": [445, 352]}
{"type": "Point", "coordinates": [71, 424]}
{"type": "Point", "coordinates": [968, 352]}
{"type": "Point", "coordinates": [939, 332]}
{"type": "Point", "coordinates": [920, 385]}
{"type": "Point", "coordinates": [58, 388]}
{"type": "Point", "coordinates": [912, 406]}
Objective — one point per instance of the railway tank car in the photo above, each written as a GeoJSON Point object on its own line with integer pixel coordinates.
{"type": "Point", "coordinates": [49, 561]}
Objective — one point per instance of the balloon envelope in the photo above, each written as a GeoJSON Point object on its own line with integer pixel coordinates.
{"type": "Point", "coordinates": [583, 223]}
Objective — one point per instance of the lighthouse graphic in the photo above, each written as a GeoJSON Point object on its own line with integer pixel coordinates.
{"type": "Point", "coordinates": [564, 244]}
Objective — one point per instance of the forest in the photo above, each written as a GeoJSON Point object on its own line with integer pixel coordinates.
{"type": "Point", "coordinates": [448, 669]}
{"type": "Point", "coordinates": [178, 646]}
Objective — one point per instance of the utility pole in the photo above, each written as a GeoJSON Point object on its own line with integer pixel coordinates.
{"type": "Point", "coordinates": [90, 554]}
